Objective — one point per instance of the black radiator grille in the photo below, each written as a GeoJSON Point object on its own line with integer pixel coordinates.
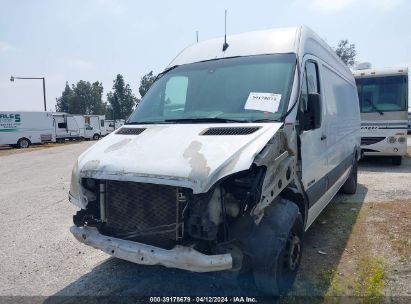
{"type": "Point", "coordinates": [365, 141]}
{"type": "Point", "coordinates": [140, 210]}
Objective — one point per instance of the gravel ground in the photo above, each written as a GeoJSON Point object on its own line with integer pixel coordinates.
{"type": "Point", "coordinates": [38, 255]}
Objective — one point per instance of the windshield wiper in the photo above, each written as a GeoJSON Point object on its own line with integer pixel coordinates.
{"type": "Point", "coordinates": [205, 119]}
{"type": "Point", "coordinates": [378, 110]}
{"type": "Point", "coordinates": [375, 108]}
{"type": "Point", "coordinates": [265, 120]}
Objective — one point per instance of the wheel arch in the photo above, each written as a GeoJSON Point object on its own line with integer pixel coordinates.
{"type": "Point", "coordinates": [292, 195]}
{"type": "Point", "coordinates": [23, 138]}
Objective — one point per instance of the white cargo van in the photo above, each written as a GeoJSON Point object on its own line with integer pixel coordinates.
{"type": "Point", "coordinates": [66, 126]}
{"type": "Point", "coordinates": [231, 155]}
{"type": "Point", "coordinates": [21, 129]}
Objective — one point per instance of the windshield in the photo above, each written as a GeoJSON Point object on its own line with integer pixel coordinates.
{"type": "Point", "coordinates": [382, 94]}
{"type": "Point", "coordinates": [240, 89]}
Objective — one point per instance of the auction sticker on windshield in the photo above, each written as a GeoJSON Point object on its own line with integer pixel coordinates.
{"type": "Point", "coordinates": [266, 102]}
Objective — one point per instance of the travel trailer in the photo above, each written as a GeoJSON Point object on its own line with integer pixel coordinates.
{"type": "Point", "coordinates": [229, 158]}
{"type": "Point", "coordinates": [383, 97]}
{"type": "Point", "coordinates": [66, 126]}
{"type": "Point", "coordinates": [21, 129]}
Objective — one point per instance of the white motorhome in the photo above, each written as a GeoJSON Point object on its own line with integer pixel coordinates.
{"type": "Point", "coordinates": [231, 155]}
{"type": "Point", "coordinates": [383, 97]}
{"type": "Point", "coordinates": [66, 126]}
{"type": "Point", "coordinates": [21, 129]}
{"type": "Point", "coordinates": [97, 123]}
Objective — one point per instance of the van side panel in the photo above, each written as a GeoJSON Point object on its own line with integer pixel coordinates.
{"type": "Point", "coordinates": [343, 122]}
{"type": "Point", "coordinates": [342, 132]}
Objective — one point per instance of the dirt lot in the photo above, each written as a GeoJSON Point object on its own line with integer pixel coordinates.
{"type": "Point", "coordinates": [359, 246]}
{"type": "Point", "coordinates": [7, 150]}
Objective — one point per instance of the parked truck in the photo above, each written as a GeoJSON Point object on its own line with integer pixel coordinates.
{"type": "Point", "coordinates": [111, 125]}
{"type": "Point", "coordinates": [97, 123]}
{"type": "Point", "coordinates": [230, 157]}
{"type": "Point", "coordinates": [66, 126]}
{"type": "Point", "coordinates": [21, 129]}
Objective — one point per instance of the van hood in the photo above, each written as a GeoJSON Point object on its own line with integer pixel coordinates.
{"type": "Point", "coordinates": [175, 154]}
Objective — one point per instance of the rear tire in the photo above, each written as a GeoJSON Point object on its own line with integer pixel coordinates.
{"type": "Point", "coordinates": [397, 160]}
{"type": "Point", "coordinates": [96, 136]}
{"type": "Point", "coordinates": [23, 143]}
{"type": "Point", "coordinates": [276, 271]}
{"type": "Point", "coordinates": [350, 185]}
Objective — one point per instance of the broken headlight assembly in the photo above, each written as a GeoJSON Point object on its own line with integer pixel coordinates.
{"type": "Point", "coordinates": [74, 193]}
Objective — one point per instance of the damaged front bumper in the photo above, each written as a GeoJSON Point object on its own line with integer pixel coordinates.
{"type": "Point", "coordinates": [179, 257]}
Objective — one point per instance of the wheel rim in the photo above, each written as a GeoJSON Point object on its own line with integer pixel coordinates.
{"type": "Point", "coordinates": [292, 253]}
{"type": "Point", "coordinates": [24, 143]}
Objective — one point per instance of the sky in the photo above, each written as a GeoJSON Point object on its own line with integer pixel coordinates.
{"type": "Point", "coordinates": [94, 40]}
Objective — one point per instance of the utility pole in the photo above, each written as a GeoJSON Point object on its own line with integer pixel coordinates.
{"type": "Point", "coordinates": [12, 78]}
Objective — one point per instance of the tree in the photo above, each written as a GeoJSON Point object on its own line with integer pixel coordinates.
{"type": "Point", "coordinates": [145, 83]}
{"type": "Point", "coordinates": [96, 104]}
{"type": "Point", "coordinates": [122, 99]}
{"type": "Point", "coordinates": [82, 98]}
{"type": "Point", "coordinates": [346, 52]}
{"type": "Point", "coordinates": [64, 101]}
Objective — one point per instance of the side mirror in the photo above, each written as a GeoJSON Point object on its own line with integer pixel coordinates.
{"type": "Point", "coordinates": [312, 116]}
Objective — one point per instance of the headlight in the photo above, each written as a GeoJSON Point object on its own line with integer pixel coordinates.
{"type": "Point", "coordinates": [74, 194]}
{"type": "Point", "coordinates": [391, 139]}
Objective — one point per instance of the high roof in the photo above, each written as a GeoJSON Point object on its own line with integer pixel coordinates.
{"type": "Point", "coordinates": [299, 40]}
{"type": "Point", "coordinates": [278, 40]}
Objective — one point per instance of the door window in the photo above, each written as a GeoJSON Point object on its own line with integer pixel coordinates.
{"type": "Point", "coordinates": [310, 84]}
{"type": "Point", "coordinates": [312, 77]}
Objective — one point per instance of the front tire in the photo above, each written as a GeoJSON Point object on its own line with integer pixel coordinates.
{"type": "Point", "coordinates": [96, 136]}
{"type": "Point", "coordinates": [350, 185]}
{"type": "Point", "coordinates": [277, 269]}
{"type": "Point", "coordinates": [23, 143]}
{"type": "Point", "coordinates": [397, 160]}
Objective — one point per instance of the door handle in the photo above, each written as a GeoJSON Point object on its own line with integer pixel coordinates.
{"type": "Point", "coordinates": [323, 137]}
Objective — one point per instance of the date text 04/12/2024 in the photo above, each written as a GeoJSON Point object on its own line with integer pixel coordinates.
{"type": "Point", "coordinates": [239, 299]}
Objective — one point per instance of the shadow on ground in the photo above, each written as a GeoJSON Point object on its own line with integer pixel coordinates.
{"type": "Point", "coordinates": [384, 164]}
{"type": "Point", "coordinates": [325, 243]}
